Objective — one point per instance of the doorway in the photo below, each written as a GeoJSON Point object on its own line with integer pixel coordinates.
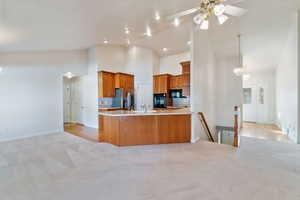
{"type": "Point", "coordinates": [259, 107]}
{"type": "Point", "coordinates": [74, 109]}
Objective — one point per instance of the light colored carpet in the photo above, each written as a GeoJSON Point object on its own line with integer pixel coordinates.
{"type": "Point", "coordinates": [65, 167]}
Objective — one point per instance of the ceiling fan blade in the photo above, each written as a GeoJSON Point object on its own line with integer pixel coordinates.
{"type": "Point", "coordinates": [235, 11]}
{"type": "Point", "coordinates": [232, 1]}
{"type": "Point", "coordinates": [183, 13]}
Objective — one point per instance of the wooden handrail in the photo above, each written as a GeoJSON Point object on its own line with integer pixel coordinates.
{"type": "Point", "coordinates": [236, 127]}
{"type": "Point", "coordinates": [206, 127]}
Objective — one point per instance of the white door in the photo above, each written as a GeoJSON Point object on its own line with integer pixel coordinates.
{"type": "Point", "coordinates": [67, 101]}
{"type": "Point", "coordinates": [76, 100]}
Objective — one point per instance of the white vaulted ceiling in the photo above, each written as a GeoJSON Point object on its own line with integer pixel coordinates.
{"type": "Point", "coordinates": [77, 24]}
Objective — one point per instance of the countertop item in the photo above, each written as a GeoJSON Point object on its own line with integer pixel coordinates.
{"type": "Point", "coordinates": [119, 113]}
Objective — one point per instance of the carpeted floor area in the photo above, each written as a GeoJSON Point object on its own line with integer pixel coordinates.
{"type": "Point", "coordinates": [65, 167]}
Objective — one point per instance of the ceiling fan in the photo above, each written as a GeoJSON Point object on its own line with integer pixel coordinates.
{"type": "Point", "coordinates": [220, 8]}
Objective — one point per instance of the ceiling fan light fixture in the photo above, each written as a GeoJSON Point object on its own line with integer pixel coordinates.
{"type": "Point", "coordinates": [204, 25]}
{"type": "Point", "coordinates": [222, 19]}
{"type": "Point", "coordinates": [219, 9]}
{"type": "Point", "coordinates": [198, 19]}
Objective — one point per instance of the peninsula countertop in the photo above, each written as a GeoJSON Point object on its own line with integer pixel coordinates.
{"type": "Point", "coordinates": [120, 113]}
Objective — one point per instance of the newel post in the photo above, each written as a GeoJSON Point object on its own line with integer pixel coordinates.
{"type": "Point", "coordinates": [236, 127]}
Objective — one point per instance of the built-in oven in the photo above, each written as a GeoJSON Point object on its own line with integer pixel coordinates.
{"type": "Point", "coordinates": [160, 101]}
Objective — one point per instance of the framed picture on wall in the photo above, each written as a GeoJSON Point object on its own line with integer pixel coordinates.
{"type": "Point", "coordinates": [247, 94]}
{"type": "Point", "coordinates": [261, 95]}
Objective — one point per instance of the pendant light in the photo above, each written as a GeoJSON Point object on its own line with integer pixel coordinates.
{"type": "Point", "coordinates": [241, 70]}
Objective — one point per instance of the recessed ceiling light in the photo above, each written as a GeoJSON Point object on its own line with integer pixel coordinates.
{"type": "Point", "coordinates": [189, 42]}
{"type": "Point", "coordinates": [105, 41]}
{"type": "Point", "coordinates": [127, 31]}
{"type": "Point", "coordinates": [165, 49]}
{"type": "Point", "coordinates": [1, 69]}
{"type": "Point", "coordinates": [176, 22]}
{"type": "Point", "coordinates": [157, 17]}
{"type": "Point", "coordinates": [148, 32]}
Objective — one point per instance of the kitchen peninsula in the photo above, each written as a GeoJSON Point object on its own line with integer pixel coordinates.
{"type": "Point", "coordinates": [130, 128]}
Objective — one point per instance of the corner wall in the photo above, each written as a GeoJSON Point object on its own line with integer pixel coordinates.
{"type": "Point", "coordinates": [143, 63]}
{"type": "Point", "coordinates": [203, 71]}
{"type": "Point", "coordinates": [228, 91]}
{"type": "Point", "coordinates": [287, 84]}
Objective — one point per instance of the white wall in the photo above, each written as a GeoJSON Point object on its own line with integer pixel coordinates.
{"type": "Point", "coordinates": [171, 64]}
{"type": "Point", "coordinates": [31, 88]}
{"type": "Point", "coordinates": [261, 113]}
{"type": "Point", "coordinates": [228, 91]}
{"type": "Point", "coordinates": [287, 84]}
{"type": "Point", "coordinates": [142, 63]}
{"type": "Point", "coordinates": [203, 85]}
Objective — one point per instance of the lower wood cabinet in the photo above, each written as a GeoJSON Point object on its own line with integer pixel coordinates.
{"type": "Point", "coordinates": [144, 130]}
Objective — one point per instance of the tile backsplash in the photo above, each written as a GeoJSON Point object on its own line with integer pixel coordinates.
{"type": "Point", "coordinates": [105, 102]}
{"type": "Point", "coordinates": [181, 102]}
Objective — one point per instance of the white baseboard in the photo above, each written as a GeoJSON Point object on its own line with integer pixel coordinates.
{"type": "Point", "coordinates": [195, 140]}
{"type": "Point", "coordinates": [7, 139]}
{"type": "Point", "coordinates": [90, 125]}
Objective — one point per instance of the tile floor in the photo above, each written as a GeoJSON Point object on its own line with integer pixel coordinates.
{"type": "Point", "coordinates": [64, 167]}
{"type": "Point", "coordinates": [264, 131]}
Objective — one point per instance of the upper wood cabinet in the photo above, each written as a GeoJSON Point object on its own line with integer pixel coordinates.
{"type": "Point", "coordinates": [106, 84]}
{"type": "Point", "coordinates": [185, 80]}
{"type": "Point", "coordinates": [186, 67]}
{"type": "Point", "coordinates": [125, 81]}
{"type": "Point", "coordinates": [161, 84]}
{"type": "Point", "coordinates": [176, 82]}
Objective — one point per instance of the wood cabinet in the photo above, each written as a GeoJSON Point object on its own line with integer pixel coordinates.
{"type": "Point", "coordinates": [125, 81]}
{"type": "Point", "coordinates": [185, 80]}
{"type": "Point", "coordinates": [179, 81]}
{"type": "Point", "coordinates": [106, 84]}
{"type": "Point", "coordinates": [161, 84]}
{"type": "Point", "coordinates": [109, 81]}
{"type": "Point", "coordinates": [175, 82]}
{"type": "Point", "coordinates": [145, 130]}
{"type": "Point", "coordinates": [186, 67]}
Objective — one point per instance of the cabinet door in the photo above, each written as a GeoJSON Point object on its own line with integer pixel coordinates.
{"type": "Point", "coordinates": [173, 82]}
{"type": "Point", "coordinates": [164, 84]}
{"type": "Point", "coordinates": [155, 85]}
{"type": "Point", "coordinates": [185, 80]}
{"type": "Point", "coordinates": [179, 82]}
{"type": "Point", "coordinates": [106, 84]}
{"type": "Point", "coordinates": [186, 67]}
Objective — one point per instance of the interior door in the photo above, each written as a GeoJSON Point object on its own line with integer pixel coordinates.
{"type": "Point", "coordinates": [67, 101]}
